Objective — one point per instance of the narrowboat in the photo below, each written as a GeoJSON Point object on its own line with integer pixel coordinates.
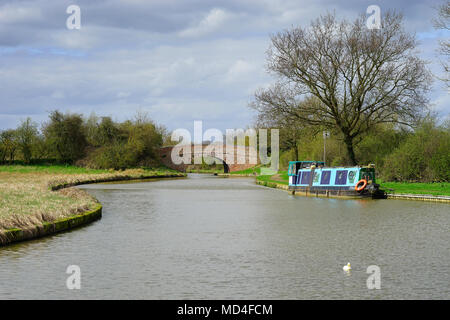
{"type": "Point", "coordinates": [313, 178]}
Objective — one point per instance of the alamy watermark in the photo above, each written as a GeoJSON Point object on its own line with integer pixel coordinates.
{"type": "Point", "coordinates": [374, 20]}
{"type": "Point", "coordinates": [74, 280]}
{"type": "Point", "coordinates": [240, 146]}
{"type": "Point", "coordinates": [374, 280]}
{"type": "Point", "coordinates": [74, 20]}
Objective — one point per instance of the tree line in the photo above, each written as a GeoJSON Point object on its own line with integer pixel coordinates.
{"type": "Point", "coordinates": [95, 142]}
{"type": "Point", "coordinates": [399, 153]}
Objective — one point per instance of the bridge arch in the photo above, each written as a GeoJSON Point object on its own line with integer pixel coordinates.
{"type": "Point", "coordinates": [166, 159]}
{"type": "Point", "coordinates": [226, 167]}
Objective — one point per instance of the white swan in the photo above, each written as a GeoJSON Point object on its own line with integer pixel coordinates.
{"type": "Point", "coordinates": [347, 267]}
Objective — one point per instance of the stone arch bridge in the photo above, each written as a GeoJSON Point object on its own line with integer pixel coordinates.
{"type": "Point", "coordinates": [233, 158]}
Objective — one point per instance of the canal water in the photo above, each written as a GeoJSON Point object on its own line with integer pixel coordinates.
{"type": "Point", "coordinates": [208, 237]}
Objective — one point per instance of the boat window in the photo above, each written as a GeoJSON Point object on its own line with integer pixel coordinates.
{"type": "Point", "coordinates": [341, 177]}
{"type": "Point", "coordinates": [298, 177]}
{"type": "Point", "coordinates": [326, 175]}
{"type": "Point", "coordinates": [351, 176]}
{"type": "Point", "coordinates": [316, 177]}
{"type": "Point", "coordinates": [291, 167]}
{"type": "Point", "coordinates": [305, 177]}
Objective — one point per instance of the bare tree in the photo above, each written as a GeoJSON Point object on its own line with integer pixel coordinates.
{"type": "Point", "coordinates": [341, 75]}
{"type": "Point", "coordinates": [291, 130]}
{"type": "Point", "coordinates": [443, 22]}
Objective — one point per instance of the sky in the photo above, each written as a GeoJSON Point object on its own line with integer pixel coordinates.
{"type": "Point", "coordinates": [177, 60]}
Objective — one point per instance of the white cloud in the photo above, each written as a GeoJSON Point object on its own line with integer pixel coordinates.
{"type": "Point", "coordinates": [10, 14]}
{"type": "Point", "coordinates": [441, 102]}
{"type": "Point", "coordinates": [239, 71]}
{"type": "Point", "coordinates": [58, 95]}
{"type": "Point", "coordinates": [213, 20]}
{"type": "Point", "coordinates": [122, 95]}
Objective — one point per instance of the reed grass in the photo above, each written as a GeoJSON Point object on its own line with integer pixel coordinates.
{"type": "Point", "coordinates": [27, 199]}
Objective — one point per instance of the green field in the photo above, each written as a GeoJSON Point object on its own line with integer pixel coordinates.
{"type": "Point", "coordinates": [61, 169]}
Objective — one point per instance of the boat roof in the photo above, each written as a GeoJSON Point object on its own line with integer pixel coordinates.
{"type": "Point", "coordinates": [371, 166]}
{"type": "Point", "coordinates": [307, 161]}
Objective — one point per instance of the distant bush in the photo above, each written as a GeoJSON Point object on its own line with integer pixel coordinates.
{"type": "Point", "coordinates": [379, 143]}
{"type": "Point", "coordinates": [114, 156]}
{"type": "Point", "coordinates": [27, 136]}
{"type": "Point", "coordinates": [8, 145]}
{"type": "Point", "coordinates": [424, 156]}
{"type": "Point", "coordinates": [311, 148]}
{"type": "Point", "coordinates": [285, 157]}
{"type": "Point", "coordinates": [65, 136]}
{"type": "Point", "coordinates": [132, 143]}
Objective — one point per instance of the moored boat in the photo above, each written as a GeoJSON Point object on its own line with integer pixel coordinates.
{"type": "Point", "coordinates": [313, 178]}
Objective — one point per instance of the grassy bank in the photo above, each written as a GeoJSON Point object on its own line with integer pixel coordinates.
{"type": "Point", "coordinates": [209, 171]}
{"type": "Point", "coordinates": [251, 171]}
{"type": "Point", "coordinates": [436, 189]}
{"type": "Point", "coordinates": [50, 169]}
{"type": "Point", "coordinates": [281, 177]}
{"type": "Point", "coordinates": [27, 199]}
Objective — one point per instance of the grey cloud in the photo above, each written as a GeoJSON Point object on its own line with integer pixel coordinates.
{"type": "Point", "coordinates": [180, 60]}
{"type": "Point", "coordinates": [42, 22]}
{"type": "Point", "coordinates": [204, 77]}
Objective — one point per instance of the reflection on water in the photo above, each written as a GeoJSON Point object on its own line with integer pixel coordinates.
{"type": "Point", "coordinates": [215, 238]}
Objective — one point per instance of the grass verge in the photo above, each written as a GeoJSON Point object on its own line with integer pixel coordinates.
{"type": "Point", "coordinates": [281, 177]}
{"type": "Point", "coordinates": [435, 189]}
